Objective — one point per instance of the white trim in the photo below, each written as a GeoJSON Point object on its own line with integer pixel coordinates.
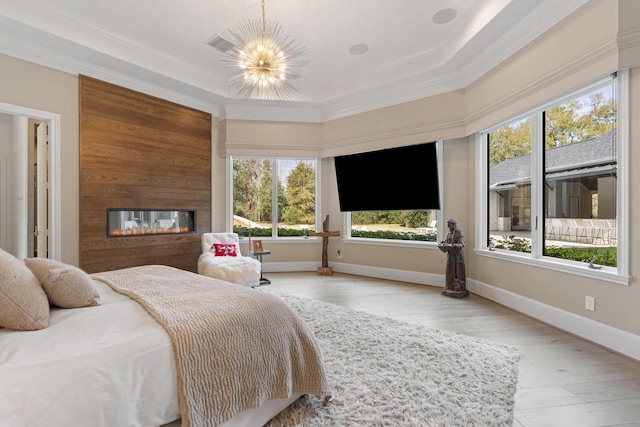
{"type": "Point", "coordinates": [624, 186]}
{"type": "Point", "coordinates": [229, 193]}
{"type": "Point", "coordinates": [20, 179]}
{"type": "Point", "coordinates": [606, 274]}
{"type": "Point", "coordinates": [615, 339]}
{"type": "Point", "coordinates": [318, 194]}
{"type": "Point", "coordinates": [55, 205]}
{"type": "Point", "coordinates": [481, 199]}
{"type": "Point", "coordinates": [4, 198]}
{"type": "Point", "coordinates": [398, 243]}
{"type": "Point", "coordinates": [439, 217]}
{"type": "Point", "coordinates": [418, 277]}
{"type": "Point", "coordinates": [537, 175]}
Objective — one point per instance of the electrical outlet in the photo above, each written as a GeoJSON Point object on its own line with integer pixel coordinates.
{"type": "Point", "coordinates": [339, 254]}
{"type": "Point", "coordinates": [590, 303]}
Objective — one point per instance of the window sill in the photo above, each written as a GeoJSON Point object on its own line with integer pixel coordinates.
{"type": "Point", "coordinates": [286, 239]}
{"type": "Point", "coordinates": [607, 274]}
{"type": "Point", "coordinates": [392, 242]}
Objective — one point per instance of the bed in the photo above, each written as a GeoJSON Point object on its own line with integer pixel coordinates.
{"type": "Point", "coordinates": [119, 361]}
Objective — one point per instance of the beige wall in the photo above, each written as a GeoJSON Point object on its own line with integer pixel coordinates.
{"type": "Point", "coordinates": [579, 50]}
{"type": "Point", "coordinates": [41, 88]}
{"type": "Point", "coordinates": [261, 138]}
{"type": "Point", "coordinates": [424, 120]}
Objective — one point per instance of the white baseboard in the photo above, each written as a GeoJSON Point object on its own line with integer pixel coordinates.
{"type": "Point", "coordinates": [607, 336]}
{"type": "Point", "coordinates": [359, 270]}
{"type": "Point", "coordinates": [615, 339]}
{"type": "Point", "coordinates": [390, 274]}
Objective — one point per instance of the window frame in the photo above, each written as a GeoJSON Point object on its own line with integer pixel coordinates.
{"type": "Point", "coordinates": [619, 274]}
{"type": "Point", "coordinates": [346, 232]}
{"type": "Point", "coordinates": [274, 192]}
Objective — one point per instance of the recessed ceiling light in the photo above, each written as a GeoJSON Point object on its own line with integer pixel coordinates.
{"type": "Point", "coordinates": [359, 49]}
{"type": "Point", "coordinates": [444, 16]}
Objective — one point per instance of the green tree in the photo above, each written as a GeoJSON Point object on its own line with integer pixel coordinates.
{"type": "Point", "coordinates": [246, 173]}
{"type": "Point", "coordinates": [563, 127]}
{"type": "Point", "coordinates": [565, 124]}
{"type": "Point", "coordinates": [263, 211]}
{"type": "Point", "coordinates": [510, 141]}
{"type": "Point", "coordinates": [364, 217]}
{"type": "Point", "coordinates": [300, 195]}
{"type": "Point", "coordinates": [602, 115]}
{"type": "Point", "coordinates": [417, 219]}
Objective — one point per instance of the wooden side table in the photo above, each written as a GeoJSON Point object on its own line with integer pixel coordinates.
{"type": "Point", "coordinates": [258, 255]}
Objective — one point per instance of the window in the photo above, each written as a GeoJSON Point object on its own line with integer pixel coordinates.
{"type": "Point", "coordinates": [551, 181]}
{"type": "Point", "coordinates": [417, 225]}
{"type": "Point", "coordinates": [274, 197]}
{"type": "Point", "coordinates": [398, 225]}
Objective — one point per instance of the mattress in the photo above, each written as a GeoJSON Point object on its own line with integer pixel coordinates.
{"type": "Point", "coordinates": [108, 365]}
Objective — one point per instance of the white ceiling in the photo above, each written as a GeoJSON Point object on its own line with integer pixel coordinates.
{"type": "Point", "coordinates": [159, 46]}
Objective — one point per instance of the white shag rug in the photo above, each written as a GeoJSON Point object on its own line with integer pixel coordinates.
{"type": "Point", "coordinates": [385, 372]}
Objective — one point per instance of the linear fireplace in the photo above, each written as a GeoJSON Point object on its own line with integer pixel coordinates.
{"type": "Point", "coordinates": [144, 222]}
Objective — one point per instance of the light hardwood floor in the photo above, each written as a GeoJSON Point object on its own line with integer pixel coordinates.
{"type": "Point", "coordinates": [563, 380]}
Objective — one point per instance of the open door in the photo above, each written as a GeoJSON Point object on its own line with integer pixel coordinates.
{"type": "Point", "coordinates": [30, 217]}
{"type": "Point", "coordinates": [41, 232]}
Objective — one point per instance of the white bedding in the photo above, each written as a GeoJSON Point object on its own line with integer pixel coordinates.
{"type": "Point", "coordinates": [79, 371]}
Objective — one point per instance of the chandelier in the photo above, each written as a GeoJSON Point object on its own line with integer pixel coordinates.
{"type": "Point", "coordinates": [269, 63]}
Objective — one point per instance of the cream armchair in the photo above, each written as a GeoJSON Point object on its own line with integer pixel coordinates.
{"type": "Point", "coordinates": [221, 259]}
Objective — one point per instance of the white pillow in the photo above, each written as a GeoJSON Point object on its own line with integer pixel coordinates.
{"type": "Point", "coordinates": [23, 302]}
{"type": "Point", "coordinates": [65, 285]}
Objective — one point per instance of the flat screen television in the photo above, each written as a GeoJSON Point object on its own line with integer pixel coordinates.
{"type": "Point", "coordinates": [403, 178]}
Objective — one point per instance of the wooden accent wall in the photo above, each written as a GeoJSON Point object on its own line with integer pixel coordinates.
{"type": "Point", "coordinates": [138, 151]}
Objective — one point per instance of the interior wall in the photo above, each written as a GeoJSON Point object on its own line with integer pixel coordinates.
{"type": "Point", "coordinates": [439, 117]}
{"type": "Point", "coordinates": [141, 152]}
{"type": "Point", "coordinates": [629, 48]}
{"type": "Point", "coordinates": [276, 139]}
{"type": "Point", "coordinates": [41, 88]}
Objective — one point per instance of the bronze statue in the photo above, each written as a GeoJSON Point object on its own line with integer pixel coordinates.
{"type": "Point", "coordinates": [452, 244]}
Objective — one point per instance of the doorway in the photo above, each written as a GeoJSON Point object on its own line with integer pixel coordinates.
{"type": "Point", "coordinates": [29, 182]}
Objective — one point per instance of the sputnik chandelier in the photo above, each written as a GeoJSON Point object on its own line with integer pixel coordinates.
{"type": "Point", "coordinates": [269, 66]}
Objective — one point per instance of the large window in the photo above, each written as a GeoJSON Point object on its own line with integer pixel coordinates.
{"type": "Point", "coordinates": [274, 197]}
{"type": "Point", "coordinates": [551, 183]}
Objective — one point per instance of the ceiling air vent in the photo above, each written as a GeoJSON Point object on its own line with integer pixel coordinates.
{"type": "Point", "coordinates": [219, 43]}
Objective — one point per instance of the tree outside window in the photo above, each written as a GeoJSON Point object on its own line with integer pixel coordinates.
{"type": "Point", "coordinates": [274, 197]}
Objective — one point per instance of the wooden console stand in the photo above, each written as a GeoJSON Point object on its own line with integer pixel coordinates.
{"type": "Point", "coordinates": [325, 270]}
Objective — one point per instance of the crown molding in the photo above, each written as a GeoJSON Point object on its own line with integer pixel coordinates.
{"type": "Point", "coordinates": [153, 73]}
{"type": "Point", "coordinates": [569, 69]}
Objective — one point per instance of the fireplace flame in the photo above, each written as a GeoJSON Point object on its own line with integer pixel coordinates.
{"type": "Point", "coordinates": [145, 231]}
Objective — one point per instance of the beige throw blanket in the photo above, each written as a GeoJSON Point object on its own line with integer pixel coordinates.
{"type": "Point", "coordinates": [235, 347]}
